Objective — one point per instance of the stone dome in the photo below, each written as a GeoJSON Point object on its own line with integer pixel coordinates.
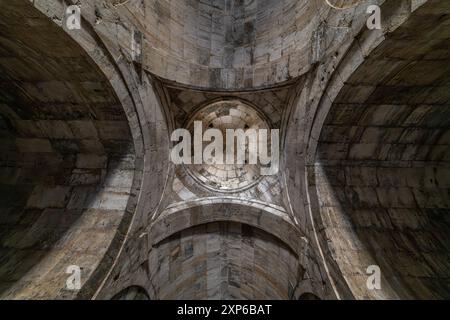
{"type": "Point", "coordinates": [224, 115]}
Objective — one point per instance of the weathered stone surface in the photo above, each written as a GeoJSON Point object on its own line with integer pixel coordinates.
{"type": "Point", "coordinates": [65, 127]}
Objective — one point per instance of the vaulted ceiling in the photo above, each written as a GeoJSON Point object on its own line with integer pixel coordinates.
{"type": "Point", "coordinates": [86, 179]}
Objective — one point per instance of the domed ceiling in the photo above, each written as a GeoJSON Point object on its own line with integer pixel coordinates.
{"type": "Point", "coordinates": [226, 115]}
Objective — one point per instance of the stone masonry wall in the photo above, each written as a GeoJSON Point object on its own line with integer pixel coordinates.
{"type": "Point", "coordinates": [382, 165]}
{"type": "Point", "coordinates": [365, 152]}
{"type": "Point", "coordinates": [224, 261]}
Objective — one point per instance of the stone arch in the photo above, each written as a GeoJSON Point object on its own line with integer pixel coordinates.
{"type": "Point", "coordinates": [231, 98]}
{"type": "Point", "coordinates": [246, 51]}
{"type": "Point", "coordinates": [320, 88]}
{"type": "Point", "coordinates": [123, 172]}
{"type": "Point", "coordinates": [142, 97]}
{"type": "Point", "coordinates": [271, 219]}
{"type": "Point", "coordinates": [223, 260]}
{"type": "Point", "coordinates": [377, 161]}
{"type": "Point", "coordinates": [240, 55]}
{"type": "Point", "coordinates": [202, 229]}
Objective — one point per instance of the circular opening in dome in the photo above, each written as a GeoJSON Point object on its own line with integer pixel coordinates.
{"type": "Point", "coordinates": [224, 115]}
